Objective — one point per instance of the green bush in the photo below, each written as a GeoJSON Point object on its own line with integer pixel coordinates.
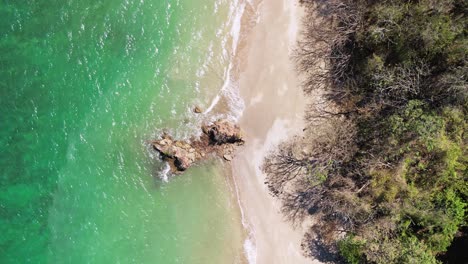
{"type": "Point", "coordinates": [351, 249]}
{"type": "Point", "coordinates": [405, 86]}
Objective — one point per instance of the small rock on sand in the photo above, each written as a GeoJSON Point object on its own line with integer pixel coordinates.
{"type": "Point", "coordinates": [197, 110]}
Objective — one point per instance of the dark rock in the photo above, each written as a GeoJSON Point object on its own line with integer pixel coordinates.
{"type": "Point", "coordinates": [183, 162]}
{"type": "Point", "coordinates": [222, 132]}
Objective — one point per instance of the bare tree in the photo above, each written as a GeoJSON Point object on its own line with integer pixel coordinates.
{"type": "Point", "coordinates": [297, 169]}
{"type": "Point", "coordinates": [323, 53]}
{"type": "Point", "coordinates": [401, 84]}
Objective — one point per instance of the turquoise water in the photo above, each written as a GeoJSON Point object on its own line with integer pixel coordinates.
{"type": "Point", "coordinates": [84, 84]}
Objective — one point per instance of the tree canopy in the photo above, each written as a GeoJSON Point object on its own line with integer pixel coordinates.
{"type": "Point", "coordinates": [388, 183]}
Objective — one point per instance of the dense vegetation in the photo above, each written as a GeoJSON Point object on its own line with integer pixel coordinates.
{"type": "Point", "coordinates": [383, 164]}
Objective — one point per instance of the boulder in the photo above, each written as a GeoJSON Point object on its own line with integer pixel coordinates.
{"type": "Point", "coordinates": [223, 132]}
{"type": "Point", "coordinates": [177, 151]}
{"type": "Point", "coordinates": [182, 163]}
{"type": "Point", "coordinates": [165, 149]}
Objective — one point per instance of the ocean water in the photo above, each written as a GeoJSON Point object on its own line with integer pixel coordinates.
{"type": "Point", "coordinates": [84, 84]}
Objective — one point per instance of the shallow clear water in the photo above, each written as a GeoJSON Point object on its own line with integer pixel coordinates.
{"type": "Point", "coordinates": [83, 85]}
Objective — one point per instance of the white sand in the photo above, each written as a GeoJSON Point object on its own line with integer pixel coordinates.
{"type": "Point", "coordinates": [274, 107]}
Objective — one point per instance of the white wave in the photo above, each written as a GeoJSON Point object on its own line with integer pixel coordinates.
{"type": "Point", "coordinates": [236, 26]}
{"type": "Point", "coordinates": [230, 92]}
{"type": "Point", "coordinates": [250, 251]}
{"type": "Point", "coordinates": [250, 247]}
{"type": "Point", "coordinates": [229, 89]}
{"type": "Point", "coordinates": [213, 104]}
{"type": "Point", "coordinates": [164, 174]}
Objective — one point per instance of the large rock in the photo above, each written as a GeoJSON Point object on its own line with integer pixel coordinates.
{"type": "Point", "coordinates": [222, 132]}
{"type": "Point", "coordinates": [183, 162]}
{"type": "Point", "coordinates": [181, 153]}
{"type": "Point", "coordinates": [219, 138]}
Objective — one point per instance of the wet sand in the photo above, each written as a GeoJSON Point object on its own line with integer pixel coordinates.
{"type": "Point", "coordinates": [274, 108]}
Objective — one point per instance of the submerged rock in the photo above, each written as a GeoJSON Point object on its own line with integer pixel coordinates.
{"type": "Point", "coordinates": [218, 138]}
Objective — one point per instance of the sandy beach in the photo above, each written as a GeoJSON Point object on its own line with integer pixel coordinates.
{"type": "Point", "coordinates": [274, 107]}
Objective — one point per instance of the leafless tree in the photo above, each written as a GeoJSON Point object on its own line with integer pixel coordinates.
{"type": "Point", "coordinates": [323, 52]}
{"type": "Point", "coordinates": [401, 84]}
{"type": "Point", "coordinates": [452, 86]}
{"type": "Point", "coordinates": [297, 168]}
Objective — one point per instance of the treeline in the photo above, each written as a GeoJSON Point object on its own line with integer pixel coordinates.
{"type": "Point", "coordinates": [383, 163]}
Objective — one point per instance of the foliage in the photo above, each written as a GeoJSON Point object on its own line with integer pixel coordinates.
{"type": "Point", "coordinates": [413, 251]}
{"type": "Point", "coordinates": [396, 72]}
{"type": "Point", "coordinates": [350, 248]}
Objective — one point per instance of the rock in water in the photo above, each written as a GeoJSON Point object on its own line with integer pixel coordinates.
{"type": "Point", "coordinates": [218, 138]}
{"type": "Point", "coordinates": [183, 162]}
{"type": "Point", "coordinates": [177, 151]}
{"type": "Point", "coordinates": [223, 132]}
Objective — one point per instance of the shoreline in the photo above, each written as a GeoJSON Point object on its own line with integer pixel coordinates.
{"type": "Point", "coordinates": [274, 111]}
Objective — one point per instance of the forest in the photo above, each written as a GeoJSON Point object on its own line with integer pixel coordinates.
{"type": "Point", "coordinates": [382, 164]}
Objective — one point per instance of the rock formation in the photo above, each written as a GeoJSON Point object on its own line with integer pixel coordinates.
{"type": "Point", "coordinates": [223, 132]}
{"type": "Point", "coordinates": [219, 138]}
